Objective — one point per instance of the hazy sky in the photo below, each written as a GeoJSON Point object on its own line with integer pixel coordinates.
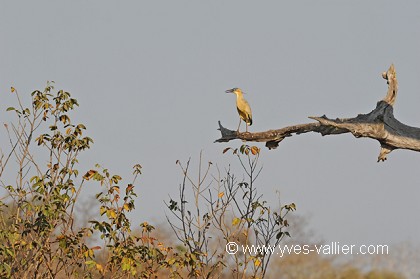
{"type": "Point", "coordinates": [150, 78]}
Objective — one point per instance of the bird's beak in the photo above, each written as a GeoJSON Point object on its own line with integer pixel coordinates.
{"type": "Point", "coordinates": [229, 91]}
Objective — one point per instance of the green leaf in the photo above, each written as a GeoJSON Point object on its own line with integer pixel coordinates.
{"type": "Point", "coordinates": [10, 108]}
{"type": "Point", "coordinates": [34, 178]}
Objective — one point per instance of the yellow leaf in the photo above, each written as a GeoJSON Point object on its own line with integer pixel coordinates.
{"type": "Point", "coordinates": [126, 207]}
{"type": "Point", "coordinates": [12, 89]}
{"type": "Point", "coordinates": [236, 221]}
{"type": "Point", "coordinates": [255, 150]}
{"type": "Point", "coordinates": [221, 194]}
{"type": "Point", "coordinates": [89, 174]}
{"type": "Point", "coordinates": [68, 131]}
{"type": "Point", "coordinates": [59, 237]}
{"type": "Point", "coordinates": [257, 262]}
{"type": "Point", "coordinates": [99, 267]}
{"type": "Point", "coordinates": [111, 213]}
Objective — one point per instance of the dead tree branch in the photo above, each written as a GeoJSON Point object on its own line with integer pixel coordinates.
{"type": "Point", "coordinates": [380, 124]}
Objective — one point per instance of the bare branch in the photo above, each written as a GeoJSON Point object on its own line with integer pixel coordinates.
{"type": "Point", "coordinates": [380, 124]}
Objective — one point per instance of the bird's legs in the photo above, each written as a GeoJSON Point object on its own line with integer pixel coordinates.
{"type": "Point", "coordinates": [239, 125]}
{"type": "Point", "coordinates": [246, 125]}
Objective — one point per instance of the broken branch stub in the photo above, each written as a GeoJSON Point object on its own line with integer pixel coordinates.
{"type": "Point", "coordinates": [380, 124]}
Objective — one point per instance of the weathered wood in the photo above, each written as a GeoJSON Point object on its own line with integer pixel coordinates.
{"type": "Point", "coordinates": [379, 124]}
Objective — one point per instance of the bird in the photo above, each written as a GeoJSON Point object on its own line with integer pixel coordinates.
{"type": "Point", "coordinates": [243, 107]}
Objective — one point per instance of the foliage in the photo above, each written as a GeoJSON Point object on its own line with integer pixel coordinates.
{"type": "Point", "coordinates": [38, 235]}
{"type": "Point", "coordinates": [227, 212]}
{"type": "Point", "coordinates": [39, 232]}
{"type": "Point", "coordinates": [301, 266]}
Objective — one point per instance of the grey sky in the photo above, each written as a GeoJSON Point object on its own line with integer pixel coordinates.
{"type": "Point", "coordinates": [150, 77]}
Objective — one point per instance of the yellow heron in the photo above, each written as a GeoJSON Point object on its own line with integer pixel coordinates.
{"type": "Point", "coordinates": [243, 107]}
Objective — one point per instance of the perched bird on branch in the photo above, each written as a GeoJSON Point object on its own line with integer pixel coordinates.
{"type": "Point", "coordinates": [243, 107]}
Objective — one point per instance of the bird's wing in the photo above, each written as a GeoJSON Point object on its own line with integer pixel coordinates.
{"type": "Point", "coordinates": [245, 112]}
{"type": "Point", "coordinates": [248, 112]}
